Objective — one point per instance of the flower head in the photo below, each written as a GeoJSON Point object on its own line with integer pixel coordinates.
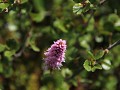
{"type": "Point", "coordinates": [55, 55]}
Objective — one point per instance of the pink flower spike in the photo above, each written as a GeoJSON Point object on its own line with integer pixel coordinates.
{"type": "Point", "coordinates": [55, 55]}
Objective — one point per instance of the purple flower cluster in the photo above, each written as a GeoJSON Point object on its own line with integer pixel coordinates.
{"type": "Point", "coordinates": [55, 55]}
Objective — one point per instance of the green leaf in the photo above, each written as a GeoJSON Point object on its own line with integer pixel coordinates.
{"type": "Point", "coordinates": [59, 24]}
{"type": "Point", "coordinates": [78, 8]}
{"type": "Point", "coordinates": [78, 1]}
{"type": "Point", "coordinates": [1, 67]}
{"type": "Point", "coordinates": [84, 44]}
{"type": "Point", "coordinates": [9, 54]}
{"type": "Point", "coordinates": [24, 1]}
{"type": "Point", "coordinates": [32, 43]}
{"type": "Point", "coordinates": [99, 54]}
{"type": "Point", "coordinates": [38, 17]}
{"type": "Point", "coordinates": [113, 18]}
{"type": "Point", "coordinates": [3, 5]}
{"type": "Point", "coordinates": [106, 64]}
{"type": "Point", "coordinates": [2, 47]}
{"type": "Point", "coordinates": [35, 48]}
{"type": "Point", "coordinates": [90, 26]}
{"type": "Point", "coordinates": [12, 44]}
{"type": "Point", "coordinates": [90, 55]}
{"type": "Point", "coordinates": [87, 6]}
{"type": "Point", "coordinates": [39, 5]}
{"type": "Point", "coordinates": [117, 25]}
{"type": "Point", "coordinates": [87, 66]}
{"type": "Point", "coordinates": [97, 66]}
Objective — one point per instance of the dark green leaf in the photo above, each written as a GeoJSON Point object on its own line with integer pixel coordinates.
{"type": "Point", "coordinates": [1, 67]}
{"type": "Point", "coordinates": [117, 25]}
{"type": "Point", "coordinates": [12, 44]}
{"type": "Point", "coordinates": [90, 55]}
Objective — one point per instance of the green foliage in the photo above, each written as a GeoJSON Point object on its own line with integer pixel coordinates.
{"type": "Point", "coordinates": [59, 24]}
{"type": "Point", "coordinates": [2, 47]}
{"type": "Point", "coordinates": [37, 17]}
{"type": "Point", "coordinates": [87, 65]}
{"type": "Point", "coordinates": [3, 6]}
{"type": "Point", "coordinates": [78, 1]}
{"type": "Point", "coordinates": [12, 44]}
{"type": "Point", "coordinates": [80, 8]}
{"type": "Point", "coordinates": [77, 8]}
{"type": "Point", "coordinates": [99, 54]}
{"type": "Point", "coordinates": [29, 27]}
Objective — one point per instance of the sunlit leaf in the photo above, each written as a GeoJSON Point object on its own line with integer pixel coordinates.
{"type": "Point", "coordinates": [97, 66]}
{"type": "Point", "coordinates": [3, 5]}
{"type": "Point", "coordinates": [78, 8]}
{"type": "Point", "coordinates": [87, 65]}
{"type": "Point", "coordinates": [9, 54]}
{"type": "Point", "coordinates": [113, 18]}
{"type": "Point", "coordinates": [106, 65]}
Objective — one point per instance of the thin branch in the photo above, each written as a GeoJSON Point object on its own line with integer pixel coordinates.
{"type": "Point", "coordinates": [114, 45]}
{"type": "Point", "coordinates": [19, 53]}
{"type": "Point", "coordinates": [91, 15]}
{"type": "Point", "coordinates": [109, 48]}
{"type": "Point", "coordinates": [106, 51]}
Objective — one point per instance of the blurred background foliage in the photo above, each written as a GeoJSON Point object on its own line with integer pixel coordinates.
{"type": "Point", "coordinates": [29, 27]}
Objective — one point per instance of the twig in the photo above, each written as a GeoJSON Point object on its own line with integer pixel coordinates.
{"type": "Point", "coordinates": [109, 48]}
{"type": "Point", "coordinates": [114, 45]}
{"type": "Point", "coordinates": [86, 24]}
{"type": "Point", "coordinates": [91, 15]}
{"type": "Point", "coordinates": [106, 51]}
{"type": "Point", "coordinates": [19, 53]}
